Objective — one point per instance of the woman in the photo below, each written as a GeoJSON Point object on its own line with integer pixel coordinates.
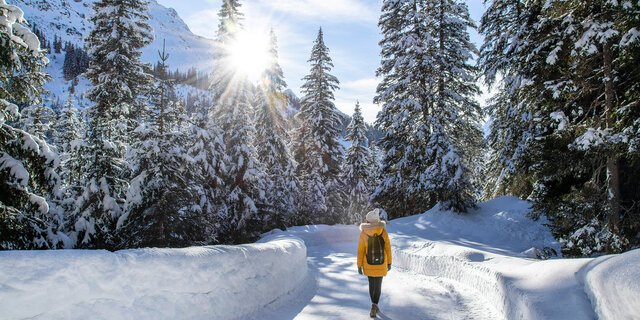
{"type": "Point", "coordinates": [374, 255]}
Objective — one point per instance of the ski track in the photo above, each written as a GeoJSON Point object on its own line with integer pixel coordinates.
{"type": "Point", "coordinates": [334, 290]}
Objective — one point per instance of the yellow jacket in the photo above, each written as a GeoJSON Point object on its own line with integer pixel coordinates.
{"type": "Point", "coordinates": [367, 230]}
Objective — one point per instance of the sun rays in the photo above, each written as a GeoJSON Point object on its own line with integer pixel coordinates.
{"type": "Point", "coordinates": [249, 54]}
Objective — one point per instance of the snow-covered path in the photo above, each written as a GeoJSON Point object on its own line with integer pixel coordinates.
{"type": "Point", "coordinates": [334, 290]}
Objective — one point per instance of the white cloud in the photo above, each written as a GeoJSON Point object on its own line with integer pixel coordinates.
{"type": "Point", "coordinates": [369, 109]}
{"type": "Point", "coordinates": [367, 85]}
{"type": "Point", "coordinates": [362, 90]}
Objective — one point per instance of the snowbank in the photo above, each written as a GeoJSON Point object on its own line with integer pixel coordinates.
{"type": "Point", "coordinates": [486, 250]}
{"type": "Point", "coordinates": [213, 282]}
{"type": "Point", "coordinates": [498, 226]}
{"type": "Point", "coordinates": [613, 285]}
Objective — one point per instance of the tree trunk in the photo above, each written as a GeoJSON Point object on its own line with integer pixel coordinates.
{"type": "Point", "coordinates": [613, 172]}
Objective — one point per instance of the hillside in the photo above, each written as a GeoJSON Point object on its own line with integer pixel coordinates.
{"type": "Point", "coordinates": [67, 20]}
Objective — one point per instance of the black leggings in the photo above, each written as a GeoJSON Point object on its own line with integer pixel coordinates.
{"type": "Point", "coordinates": [375, 288]}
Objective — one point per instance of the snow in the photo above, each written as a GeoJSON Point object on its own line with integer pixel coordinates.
{"type": "Point", "coordinates": [630, 37]}
{"type": "Point", "coordinates": [68, 20]}
{"type": "Point", "coordinates": [10, 108]}
{"type": "Point", "coordinates": [14, 13]}
{"type": "Point", "coordinates": [446, 266]}
{"type": "Point", "coordinates": [28, 39]}
{"type": "Point", "coordinates": [39, 201]}
{"type": "Point", "coordinates": [561, 118]}
{"type": "Point", "coordinates": [15, 167]}
{"type": "Point", "coordinates": [591, 138]}
{"type": "Point", "coordinates": [612, 284]}
{"type": "Point", "coordinates": [553, 55]}
{"type": "Point", "coordinates": [216, 282]}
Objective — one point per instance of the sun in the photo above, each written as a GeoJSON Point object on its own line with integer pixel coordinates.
{"type": "Point", "coordinates": [249, 54]}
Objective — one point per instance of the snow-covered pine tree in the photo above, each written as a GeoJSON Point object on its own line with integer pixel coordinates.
{"type": "Point", "coordinates": [273, 74]}
{"type": "Point", "coordinates": [116, 72]}
{"type": "Point", "coordinates": [271, 142]}
{"type": "Point", "coordinates": [37, 120]}
{"type": "Point", "coordinates": [232, 112]}
{"type": "Point", "coordinates": [71, 146]}
{"type": "Point", "coordinates": [564, 118]}
{"type": "Point", "coordinates": [118, 79]}
{"type": "Point", "coordinates": [28, 165]}
{"type": "Point", "coordinates": [208, 151]}
{"type": "Point", "coordinates": [68, 140]}
{"type": "Point", "coordinates": [161, 208]}
{"type": "Point", "coordinates": [245, 176]}
{"type": "Point", "coordinates": [67, 127]}
{"type": "Point", "coordinates": [300, 149]}
{"type": "Point", "coordinates": [430, 117]}
{"type": "Point", "coordinates": [455, 103]}
{"type": "Point", "coordinates": [230, 22]}
{"type": "Point", "coordinates": [358, 170]}
{"type": "Point", "coordinates": [595, 117]}
{"type": "Point", "coordinates": [509, 62]}
{"type": "Point", "coordinates": [396, 120]}
{"type": "Point", "coordinates": [319, 153]}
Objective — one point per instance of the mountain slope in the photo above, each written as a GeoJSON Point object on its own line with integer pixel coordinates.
{"type": "Point", "coordinates": [67, 20]}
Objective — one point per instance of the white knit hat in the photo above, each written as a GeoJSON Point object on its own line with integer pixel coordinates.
{"type": "Point", "coordinates": [373, 216]}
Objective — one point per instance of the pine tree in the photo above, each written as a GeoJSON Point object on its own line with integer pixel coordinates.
{"type": "Point", "coordinates": [37, 120]}
{"type": "Point", "coordinates": [563, 119]}
{"type": "Point", "coordinates": [594, 118]}
{"type": "Point", "coordinates": [455, 103]}
{"type": "Point", "coordinates": [271, 145]}
{"type": "Point", "coordinates": [71, 146]}
{"type": "Point", "coordinates": [245, 176]}
{"type": "Point", "coordinates": [57, 44]}
{"type": "Point", "coordinates": [75, 62]}
{"type": "Point", "coordinates": [230, 22]}
{"type": "Point", "coordinates": [358, 170]}
{"type": "Point", "coordinates": [318, 152]}
{"type": "Point", "coordinates": [398, 117]}
{"type": "Point", "coordinates": [429, 117]}
{"type": "Point", "coordinates": [509, 54]}
{"type": "Point", "coordinates": [68, 140]}
{"type": "Point", "coordinates": [159, 208]}
{"type": "Point", "coordinates": [28, 165]}
{"type": "Point", "coordinates": [119, 78]}
{"type": "Point", "coordinates": [208, 151]}
{"type": "Point", "coordinates": [233, 95]}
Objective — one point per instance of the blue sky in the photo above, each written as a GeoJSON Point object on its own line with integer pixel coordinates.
{"type": "Point", "coordinates": [350, 31]}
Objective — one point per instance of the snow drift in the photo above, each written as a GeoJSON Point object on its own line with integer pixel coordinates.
{"type": "Point", "coordinates": [213, 282]}
{"type": "Point", "coordinates": [613, 285]}
{"type": "Point", "coordinates": [487, 249]}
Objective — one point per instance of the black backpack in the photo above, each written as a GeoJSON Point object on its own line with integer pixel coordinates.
{"type": "Point", "coordinates": [375, 250]}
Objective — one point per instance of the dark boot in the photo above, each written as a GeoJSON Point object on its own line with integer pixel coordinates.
{"type": "Point", "coordinates": [377, 309]}
{"type": "Point", "coordinates": [374, 310]}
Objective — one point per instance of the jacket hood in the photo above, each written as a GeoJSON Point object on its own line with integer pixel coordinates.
{"type": "Point", "coordinates": [368, 226]}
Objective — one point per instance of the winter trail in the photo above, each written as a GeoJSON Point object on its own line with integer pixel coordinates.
{"type": "Point", "coordinates": [335, 290]}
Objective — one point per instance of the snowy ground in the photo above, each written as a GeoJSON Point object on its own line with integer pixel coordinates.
{"type": "Point", "coordinates": [335, 290]}
{"type": "Point", "coordinates": [446, 266]}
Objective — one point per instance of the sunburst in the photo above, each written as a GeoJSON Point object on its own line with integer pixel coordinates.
{"type": "Point", "coordinates": [249, 54]}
